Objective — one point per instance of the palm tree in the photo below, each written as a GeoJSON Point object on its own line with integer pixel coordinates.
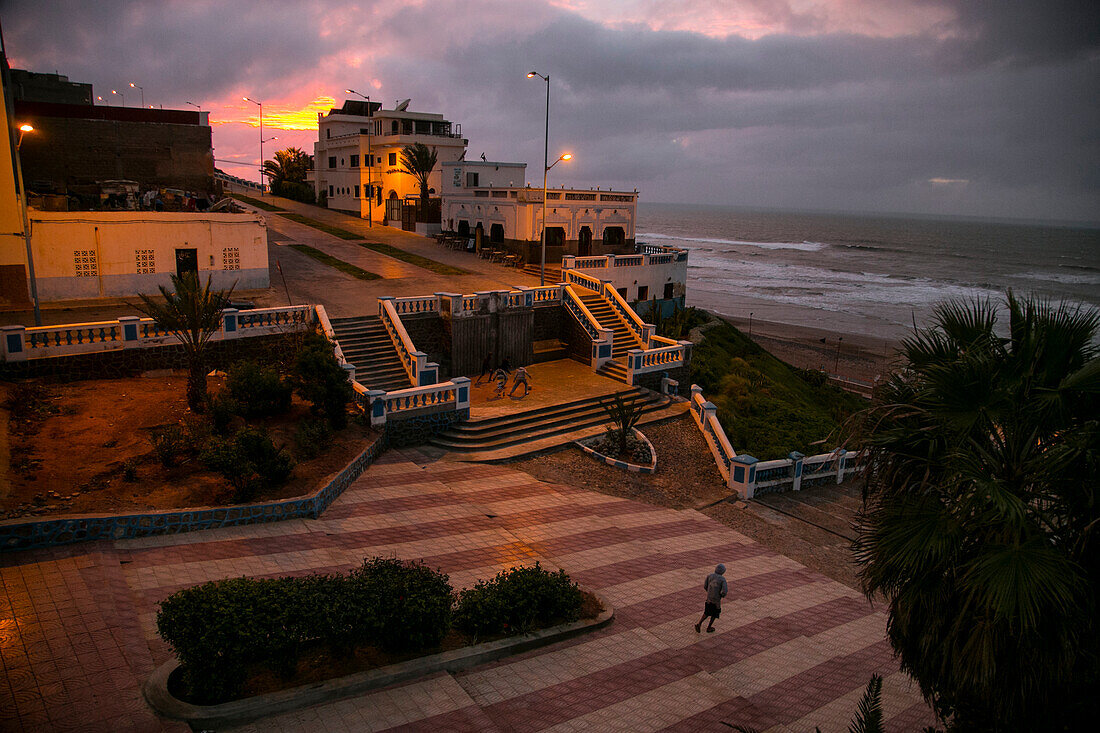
{"type": "Point", "coordinates": [192, 314]}
{"type": "Point", "coordinates": [289, 166]}
{"type": "Point", "coordinates": [418, 160]}
{"type": "Point", "coordinates": [981, 512]}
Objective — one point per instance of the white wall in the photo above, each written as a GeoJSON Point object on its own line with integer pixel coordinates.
{"type": "Point", "coordinates": [108, 248]}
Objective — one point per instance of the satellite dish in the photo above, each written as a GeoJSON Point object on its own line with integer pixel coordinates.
{"type": "Point", "coordinates": [402, 106]}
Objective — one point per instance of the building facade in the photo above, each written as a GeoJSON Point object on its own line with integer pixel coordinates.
{"type": "Point", "coordinates": [494, 198]}
{"type": "Point", "coordinates": [357, 155]}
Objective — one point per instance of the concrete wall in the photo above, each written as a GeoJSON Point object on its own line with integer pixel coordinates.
{"type": "Point", "coordinates": [501, 335]}
{"type": "Point", "coordinates": [429, 333]}
{"type": "Point", "coordinates": [13, 251]}
{"type": "Point", "coordinates": [111, 254]}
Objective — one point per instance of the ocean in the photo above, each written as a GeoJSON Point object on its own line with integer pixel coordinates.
{"type": "Point", "coordinates": [866, 274]}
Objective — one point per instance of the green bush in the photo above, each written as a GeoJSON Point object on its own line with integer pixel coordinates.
{"type": "Point", "coordinates": [219, 628]}
{"type": "Point", "coordinates": [169, 443]}
{"type": "Point", "coordinates": [412, 603]}
{"type": "Point", "coordinates": [517, 600]}
{"type": "Point", "coordinates": [258, 390]}
{"type": "Point", "coordinates": [311, 438]}
{"type": "Point", "coordinates": [222, 409]}
{"type": "Point", "coordinates": [320, 380]}
{"type": "Point", "coordinates": [249, 461]}
{"type": "Point", "coordinates": [296, 190]}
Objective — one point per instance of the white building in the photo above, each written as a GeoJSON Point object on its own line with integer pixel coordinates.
{"type": "Point", "coordinates": [494, 197]}
{"type": "Point", "coordinates": [358, 151]}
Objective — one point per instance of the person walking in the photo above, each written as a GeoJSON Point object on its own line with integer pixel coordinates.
{"type": "Point", "coordinates": [715, 585]}
{"type": "Point", "coordinates": [521, 378]}
{"type": "Point", "coordinates": [501, 378]}
{"type": "Point", "coordinates": [486, 370]}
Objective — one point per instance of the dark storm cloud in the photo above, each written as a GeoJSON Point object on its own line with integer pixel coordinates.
{"type": "Point", "coordinates": [196, 49]}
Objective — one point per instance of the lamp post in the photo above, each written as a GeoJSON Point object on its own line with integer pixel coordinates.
{"type": "Point", "coordinates": [140, 89]}
{"type": "Point", "coordinates": [546, 169]}
{"type": "Point", "coordinates": [196, 106]}
{"type": "Point", "coordinates": [24, 129]}
{"type": "Point", "coordinates": [370, 159]}
{"type": "Point", "coordinates": [121, 95]}
{"type": "Point", "coordinates": [261, 106]}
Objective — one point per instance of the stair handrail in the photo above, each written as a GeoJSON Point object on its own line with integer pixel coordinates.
{"type": "Point", "coordinates": [575, 277]}
{"type": "Point", "coordinates": [330, 333]}
{"type": "Point", "coordinates": [632, 320]}
{"type": "Point", "coordinates": [406, 351]}
{"type": "Point", "coordinates": [575, 305]}
{"type": "Point", "coordinates": [662, 340]}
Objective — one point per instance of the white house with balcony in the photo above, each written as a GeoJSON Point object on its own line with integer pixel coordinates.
{"type": "Point", "coordinates": [494, 198]}
{"type": "Point", "coordinates": [358, 151]}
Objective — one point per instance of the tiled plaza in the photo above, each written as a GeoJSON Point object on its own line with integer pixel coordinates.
{"type": "Point", "coordinates": [793, 650]}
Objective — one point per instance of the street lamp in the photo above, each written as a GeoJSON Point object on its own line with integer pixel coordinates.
{"type": "Point", "coordinates": [23, 130]}
{"type": "Point", "coordinates": [140, 89]}
{"type": "Point", "coordinates": [370, 160]}
{"type": "Point", "coordinates": [261, 106]}
{"type": "Point", "coordinates": [196, 106]}
{"type": "Point", "coordinates": [546, 169]}
{"type": "Point", "coordinates": [121, 95]}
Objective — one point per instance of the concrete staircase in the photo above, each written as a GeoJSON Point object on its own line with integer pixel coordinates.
{"type": "Point", "coordinates": [624, 341]}
{"type": "Point", "coordinates": [367, 345]}
{"type": "Point", "coordinates": [518, 434]}
{"type": "Point", "coordinates": [553, 272]}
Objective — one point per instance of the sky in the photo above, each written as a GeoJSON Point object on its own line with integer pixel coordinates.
{"type": "Point", "coordinates": [985, 108]}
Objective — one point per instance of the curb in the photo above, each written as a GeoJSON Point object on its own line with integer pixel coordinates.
{"type": "Point", "coordinates": [624, 465]}
{"type": "Point", "coordinates": [155, 689]}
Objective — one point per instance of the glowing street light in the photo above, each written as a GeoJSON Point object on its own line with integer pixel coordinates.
{"type": "Point", "coordinates": [140, 89]}
{"type": "Point", "coordinates": [23, 130]}
{"type": "Point", "coordinates": [121, 95]}
{"type": "Point", "coordinates": [370, 160]}
{"type": "Point", "coordinates": [261, 106]}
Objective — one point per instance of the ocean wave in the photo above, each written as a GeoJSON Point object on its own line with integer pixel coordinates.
{"type": "Point", "coordinates": [803, 246]}
{"type": "Point", "coordinates": [1062, 278]}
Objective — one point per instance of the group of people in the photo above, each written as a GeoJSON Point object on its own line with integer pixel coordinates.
{"type": "Point", "coordinates": [500, 376]}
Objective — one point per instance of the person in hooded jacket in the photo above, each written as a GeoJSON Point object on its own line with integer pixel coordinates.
{"type": "Point", "coordinates": [716, 588]}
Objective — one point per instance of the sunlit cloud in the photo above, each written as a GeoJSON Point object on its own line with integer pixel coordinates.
{"type": "Point", "coordinates": [949, 181]}
{"type": "Point", "coordinates": [276, 117]}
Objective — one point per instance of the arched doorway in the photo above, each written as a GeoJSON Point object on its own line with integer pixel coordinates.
{"type": "Point", "coordinates": [463, 228]}
{"type": "Point", "coordinates": [496, 233]}
{"type": "Point", "coordinates": [614, 236]}
{"type": "Point", "coordinates": [584, 242]}
{"type": "Point", "coordinates": [555, 237]}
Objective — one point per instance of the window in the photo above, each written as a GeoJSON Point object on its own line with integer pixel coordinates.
{"type": "Point", "coordinates": [643, 292]}
{"type": "Point", "coordinates": [393, 127]}
{"type": "Point", "coordinates": [393, 158]}
{"type": "Point", "coordinates": [622, 292]}
{"type": "Point", "coordinates": [145, 262]}
{"type": "Point", "coordinates": [668, 291]}
{"type": "Point", "coordinates": [472, 180]}
{"type": "Point", "coordinates": [332, 161]}
{"type": "Point", "coordinates": [356, 192]}
{"type": "Point", "coordinates": [231, 258]}
{"type": "Point", "coordinates": [354, 161]}
{"type": "Point", "coordinates": [86, 263]}
{"type": "Point", "coordinates": [341, 162]}
{"type": "Point", "coordinates": [330, 190]}
{"type": "Point", "coordinates": [328, 133]}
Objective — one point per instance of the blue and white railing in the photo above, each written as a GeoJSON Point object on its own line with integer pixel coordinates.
{"type": "Point", "coordinates": [750, 477]}
{"type": "Point", "coordinates": [420, 371]}
{"type": "Point", "coordinates": [602, 338]}
{"type": "Point", "coordinates": [131, 332]}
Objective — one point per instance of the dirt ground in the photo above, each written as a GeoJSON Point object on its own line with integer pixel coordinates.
{"type": "Point", "coordinates": [687, 477]}
{"type": "Point", "coordinates": [72, 460]}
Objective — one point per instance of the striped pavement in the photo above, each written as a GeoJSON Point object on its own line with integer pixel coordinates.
{"type": "Point", "coordinates": [793, 650]}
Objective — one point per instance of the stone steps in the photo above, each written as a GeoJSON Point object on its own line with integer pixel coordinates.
{"type": "Point", "coordinates": [496, 433]}
{"type": "Point", "coordinates": [366, 344]}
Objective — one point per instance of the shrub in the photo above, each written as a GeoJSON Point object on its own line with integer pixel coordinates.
{"type": "Point", "coordinates": [296, 190]}
{"type": "Point", "coordinates": [222, 409]}
{"type": "Point", "coordinates": [412, 603]}
{"type": "Point", "coordinates": [129, 470]}
{"type": "Point", "coordinates": [258, 390]}
{"type": "Point", "coordinates": [320, 380]}
{"type": "Point", "coordinates": [310, 438]}
{"type": "Point", "coordinates": [517, 600]}
{"type": "Point", "coordinates": [249, 461]}
{"type": "Point", "coordinates": [169, 442]}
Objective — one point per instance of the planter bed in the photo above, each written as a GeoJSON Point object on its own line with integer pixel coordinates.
{"type": "Point", "coordinates": [160, 698]}
{"type": "Point", "coordinates": [618, 462]}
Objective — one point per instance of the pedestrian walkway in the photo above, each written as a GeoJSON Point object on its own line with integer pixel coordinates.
{"type": "Point", "coordinates": [792, 649]}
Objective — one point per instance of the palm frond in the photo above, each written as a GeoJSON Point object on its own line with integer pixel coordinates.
{"type": "Point", "coordinates": [869, 712]}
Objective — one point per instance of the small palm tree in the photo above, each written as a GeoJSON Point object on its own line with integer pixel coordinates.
{"type": "Point", "coordinates": [418, 161]}
{"type": "Point", "coordinates": [624, 415]}
{"type": "Point", "coordinates": [193, 314]}
{"type": "Point", "coordinates": [982, 510]}
{"type": "Point", "coordinates": [289, 166]}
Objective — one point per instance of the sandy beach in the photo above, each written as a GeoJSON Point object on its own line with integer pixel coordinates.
{"type": "Point", "coordinates": [859, 356]}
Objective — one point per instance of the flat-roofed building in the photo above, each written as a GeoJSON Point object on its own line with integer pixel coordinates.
{"type": "Point", "coordinates": [358, 152]}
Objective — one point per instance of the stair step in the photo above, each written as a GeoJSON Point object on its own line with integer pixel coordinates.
{"type": "Point", "coordinates": [464, 433]}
